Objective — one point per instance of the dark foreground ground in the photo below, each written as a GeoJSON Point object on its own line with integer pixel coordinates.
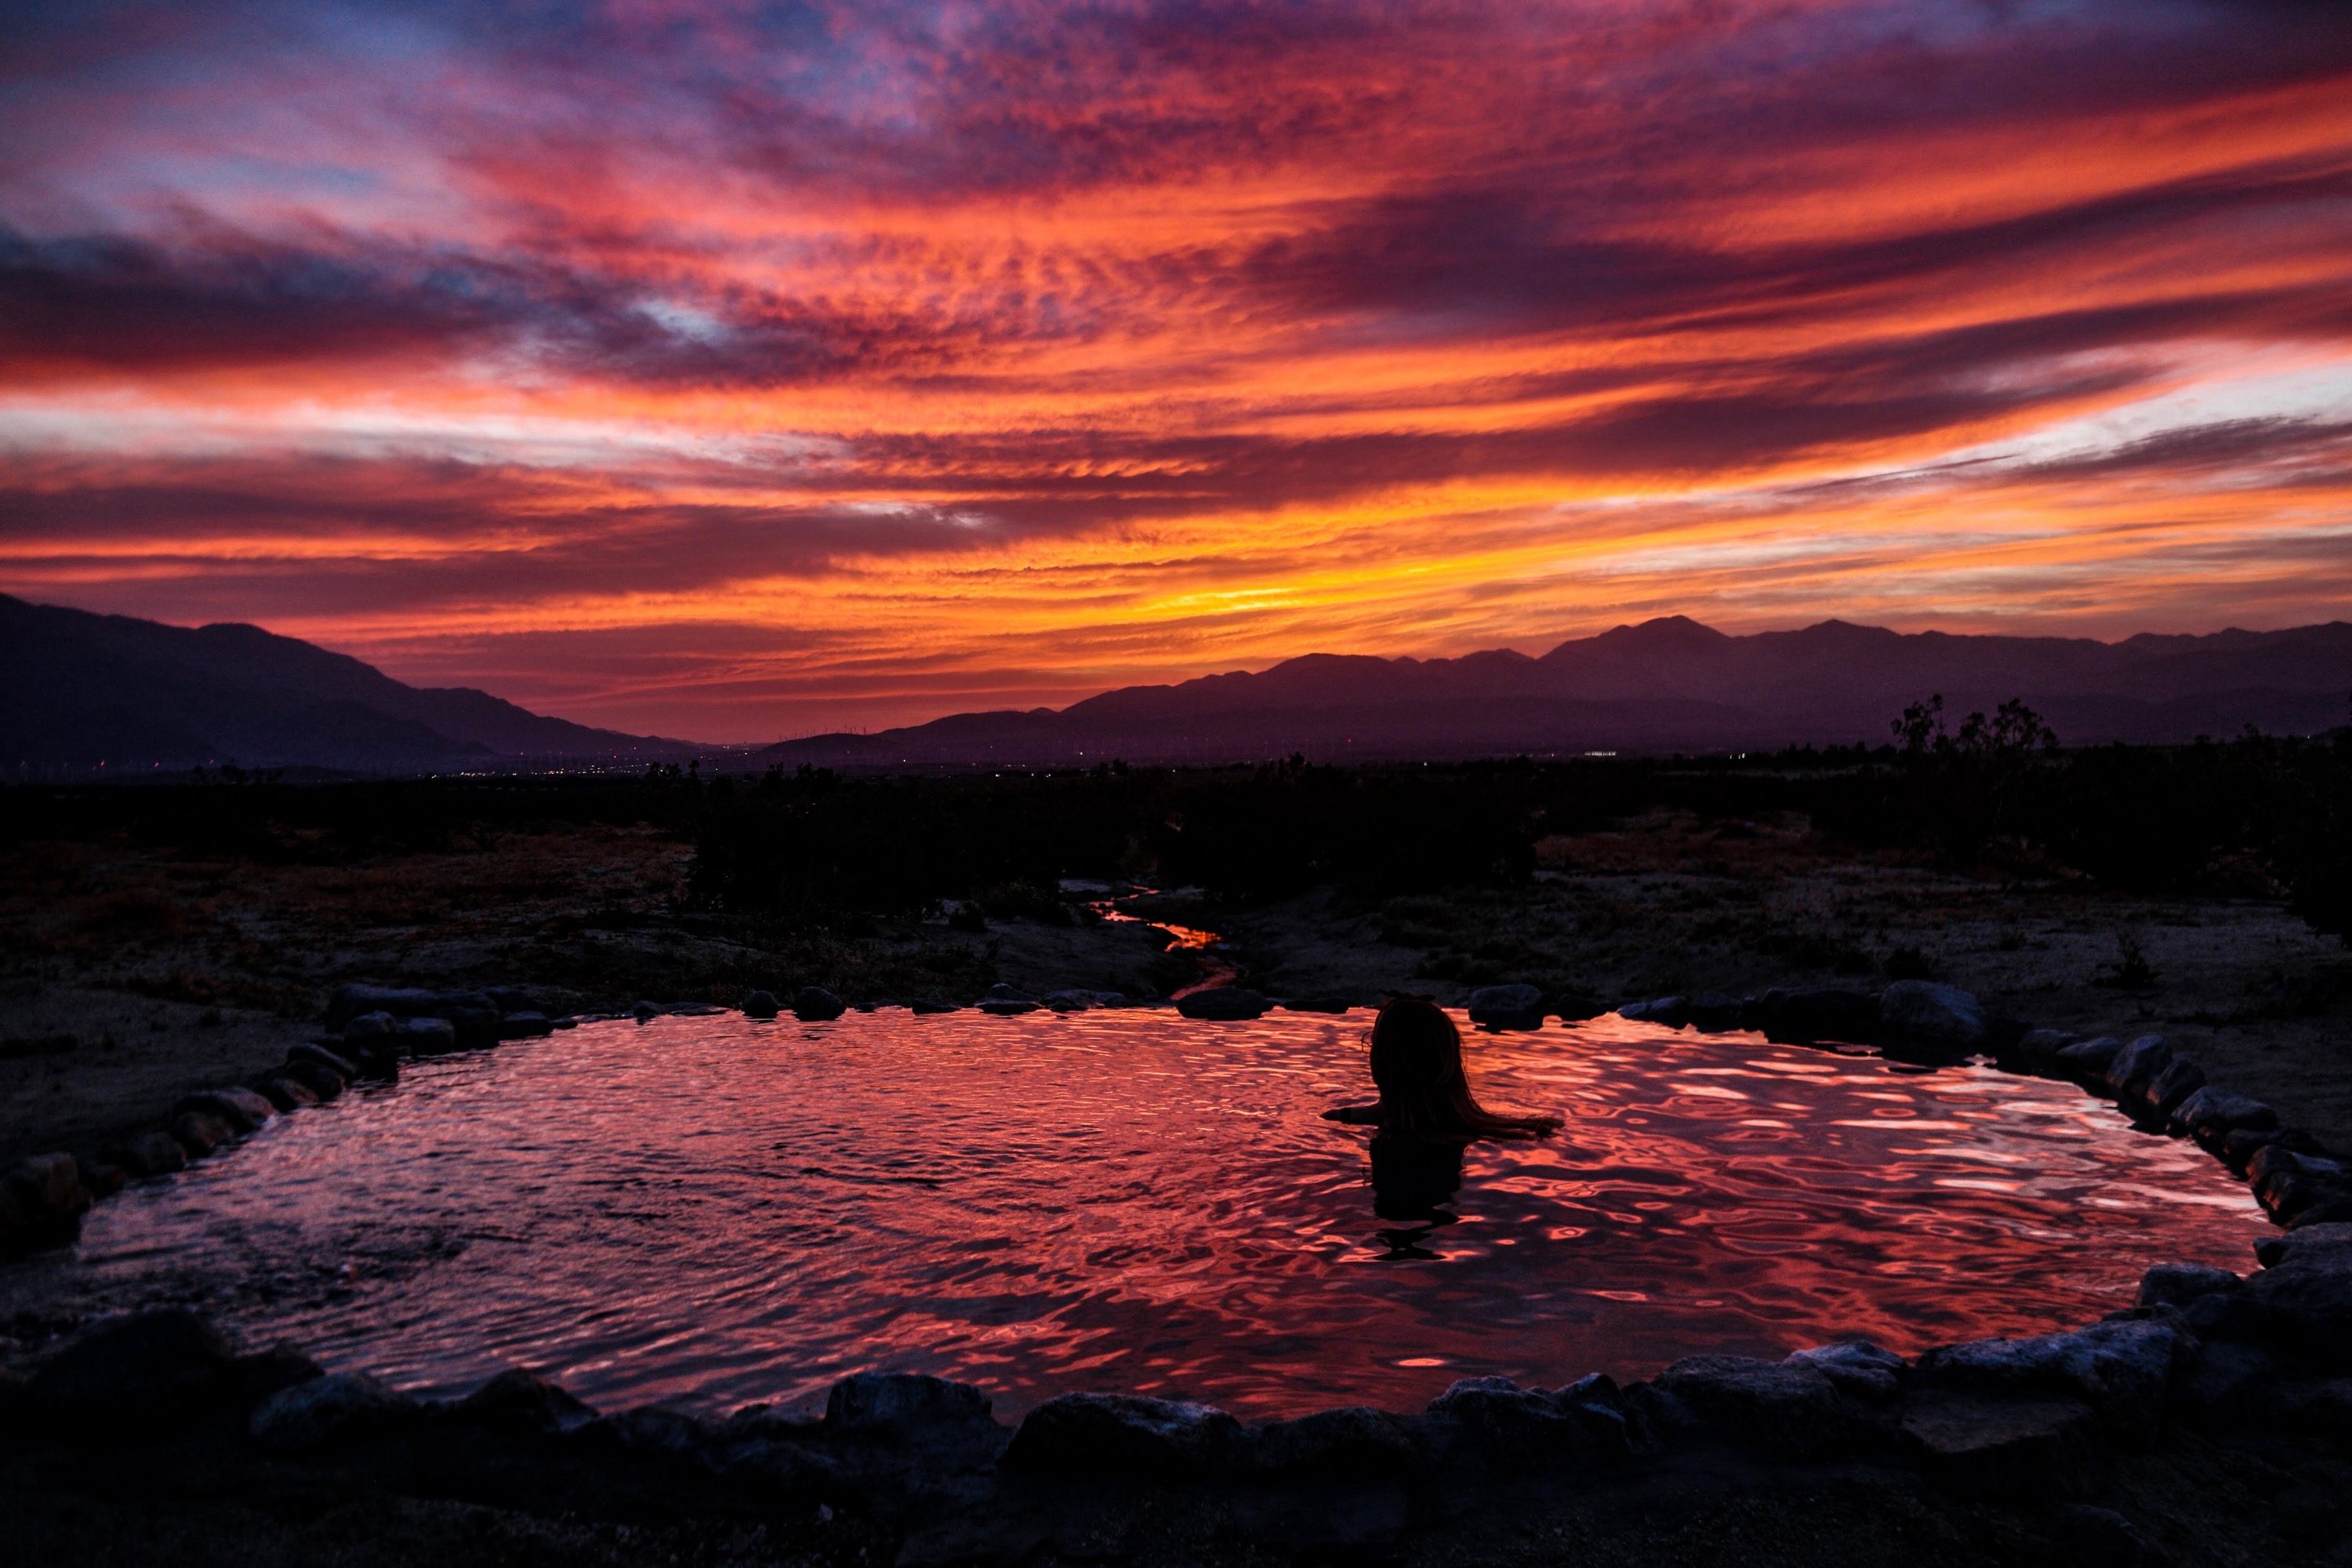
{"type": "Point", "coordinates": [137, 970]}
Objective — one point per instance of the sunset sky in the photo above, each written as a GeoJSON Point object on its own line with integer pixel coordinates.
{"type": "Point", "coordinates": [734, 371]}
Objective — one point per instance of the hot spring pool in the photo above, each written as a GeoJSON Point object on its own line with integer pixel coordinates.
{"type": "Point", "coordinates": [707, 1212]}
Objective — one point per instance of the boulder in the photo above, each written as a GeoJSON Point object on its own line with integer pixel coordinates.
{"type": "Point", "coordinates": [241, 1107]}
{"type": "Point", "coordinates": [525, 1025]}
{"type": "Point", "coordinates": [647, 1012]}
{"type": "Point", "coordinates": [929, 1005]}
{"type": "Point", "coordinates": [367, 1027]}
{"type": "Point", "coordinates": [335, 1062]}
{"type": "Point", "coordinates": [102, 1178]}
{"type": "Point", "coordinates": [151, 1154]}
{"type": "Point", "coordinates": [2180, 1078]}
{"type": "Point", "coordinates": [129, 1374]}
{"type": "Point", "coordinates": [1008, 1009]}
{"type": "Point", "coordinates": [1988, 1446]}
{"type": "Point", "coordinates": [1789, 1407]}
{"type": "Point", "coordinates": [815, 1004]}
{"type": "Point", "coordinates": [324, 1082]}
{"type": "Point", "coordinates": [1069, 1000]}
{"type": "Point", "coordinates": [49, 1195]}
{"type": "Point", "coordinates": [870, 1401]}
{"type": "Point", "coordinates": [1346, 1444]}
{"type": "Point", "coordinates": [1856, 1368]}
{"type": "Point", "coordinates": [1815, 1014]}
{"type": "Point", "coordinates": [426, 1037]}
{"type": "Point", "coordinates": [2041, 1046]}
{"type": "Point", "coordinates": [405, 1002]}
{"type": "Point", "coordinates": [1666, 1011]}
{"type": "Point", "coordinates": [1223, 1003]}
{"type": "Point", "coordinates": [1317, 1004]}
{"type": "Point", "coordinates": [2305, 1296]}
{"type": "Point", "coordinates": [286, 1093]}
{"type": "Point", "coordinates": [2309, 1245]}
{"type": "Point", "coordinates": [1712, 1012]}
{"type": "Point", "coordinates": [2088, 1059]}
{"type": "Point", "coordinates": [1507, 1007]}
{"type": "Point", "coordinates": [2241, 1144]}
{"type": "Point", "coordinates": [2293, 1186]}
{"type": "Point", "coordinates": [2211, 1114]}
{"type": "Point", "coordinates": [2135, 1066]}
{"type": "Point", "coordinates": [1095, 1432]}
{"type": "Point", "coordinates": [2122, 1368]}
{"type": "Point", "coordinates": [1000, 992]}
{"type": "Point", "coordinates": [760, 1005]}
{"type": "Point", "coordinates": [199, 1132]}
{"type": "Point", "coordinates": [1923, 1013]}
{"type": "Point", "coordinates": [521, 1401]}
{"type": "Point", "coordinates": [327, 1410]}
{"type": "Point", "coordinates": [1503, 1426]}
{"type": "Point", "coordinates": [2179, 1284]}
{"type": "Point", "coordinates": [651, 1429]}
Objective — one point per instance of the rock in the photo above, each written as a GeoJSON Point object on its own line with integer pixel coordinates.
{"type": "Point", "coordinates": [524, 1025]}
{"type": "Point", "coordinates": [407, 1002]}
{"type": "Point", "coordinates": [760, 1005]}
{"type": "Point", "coordinates": [49, 1198]}
{"type": "Point", "coordinates": [1069, 1000]}
{"type": "Point", "coordinates": [1713, 1013]}
{"type": "Point", "coordinates": [2291, 1185]}
{"type": "Point", "coordinates": [2088, 1059]}
{"type": "Point", "coordinates": [281, 1366]}
{"type": "Point", "coordinates": [2305, 1296]}
{"type": "Point", "coordinates": [651, 1429]}
{"type": "Point", "coordinates": [151, 1154]}
{"type": "Point", "coordinates": [367, 1027]}
{"type": "Point", "coordinates": [286, 1093]}
{"type": "Point", "coordinates": [1856, 1368]}
{"type": "Point", "coordinates": [1347, 1443]}
{"type": "Point", "coordinates": [1575, 1006]}
{"type": "Point", "coordinates": [1987, 1446]}
{"type": "Point", "coordinates": [327, 1410]}
{"type": "Point", "coordinates": [1094, 1432]}
{"type": "Point", "coordinates": [324, 1082]}
{"type": "Point", "coordinates": [1505, 1426]}
{"type": "Point", "coordinates": [1810, 1016]}
{"type": "Point", "coordinates": [1507, 1007]}
{"type": "Point", "coordinates": [1923, 1013]}
{"type": "Point", "coordinates": [1666, 1011]}
{"type": "Point", "coordinates": [2241, 1144]}
{"type": "Point", "coordinates": [2043, 1046]}
{"type": "Point", "coordinates": [132, 1373]}
{"type": "Point", "coordinates": [645, 1011]}
{"type": "Point", "coordinates": [241, 1107]}
{"type": "Point", "coordinates": [1007, 1009]}
{"type": "Point", "coordinates": [2178, 1284]}
{"type": "Point", "coordinates": [522, 1401]}
{"type": "Point", "coordinates": [199, 1132]}
{"type": "Point", "coordinates": [103, 1178]}
{"type": "Point", "coordinates": [1000, 992]}
{"type": "Point", "coordinates": [2309, 1245]}
{"type": "Point", "coordinates": [903, 1401]}
{"type": "Point", "coordinates": [1222, 1004]}
{"type": "Point", "coordinates": [929, 1005]}
{"type": "Point", "coordinates": [426, 1037]}
{"type": "Point", "coordinates": [1317, 1005]}
{"type": "Point", "coordinates": [2135, 1066]}
{"type": "Point", "coordinates": [2180, 1078]}
{"type": "Point", "coordinates": [334, 1062]}
{"type": "Point", "coordinates": [815, 1004]}
{"type": "Point", "coordinates": [15, 1226]}
{"type": "Point", "coordinates": [2121, 1369]}
{"type": "Point", "coordinates": [2211, 1114]}
{"type": "Point", "coordinates": [1790, 1406]}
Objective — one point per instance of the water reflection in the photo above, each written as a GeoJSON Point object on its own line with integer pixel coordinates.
{"type": "Point", "coordinates": [712, 1211]}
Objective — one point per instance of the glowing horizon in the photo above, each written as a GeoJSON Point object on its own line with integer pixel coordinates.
{"type": "Point", "coordinates": [733, 372]}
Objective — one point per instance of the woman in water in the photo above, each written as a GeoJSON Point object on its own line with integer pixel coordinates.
{"type": "Point", "coordinates": [1417, 1068]}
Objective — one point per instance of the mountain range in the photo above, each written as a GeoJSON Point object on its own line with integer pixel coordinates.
{"type": "Point", "coordinates": [89, 693]}
{"type": "Point", "coordinates": [109, 694]}
{"type": "Point", "coordinates": [1667, 685]}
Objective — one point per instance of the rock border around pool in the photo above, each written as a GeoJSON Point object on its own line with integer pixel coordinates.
{"type": "Point", "coordinates": [2204, 1352]}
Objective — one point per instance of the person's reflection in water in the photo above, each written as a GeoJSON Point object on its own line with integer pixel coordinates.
{"type": "Point", "coordinates": [1412, 1181]}
{"type": "Point", "coordinates": [1426, 1115]}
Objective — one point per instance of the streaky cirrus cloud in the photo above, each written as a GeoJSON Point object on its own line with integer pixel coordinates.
{"type": "Point", "coordinates": [740, 369]}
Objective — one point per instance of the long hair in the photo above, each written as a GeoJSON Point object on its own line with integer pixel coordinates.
{"type": "Point", "coordinates": [1424, 1093]}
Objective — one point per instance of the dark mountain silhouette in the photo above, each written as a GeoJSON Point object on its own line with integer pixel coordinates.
{"type": "Point", "coordinates": [1667, 685]}
{"type": "Point", "coordinates": [112, 693]}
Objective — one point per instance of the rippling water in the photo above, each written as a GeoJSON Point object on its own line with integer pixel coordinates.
{"type": "Point", "coordinates": [712, 1211]}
